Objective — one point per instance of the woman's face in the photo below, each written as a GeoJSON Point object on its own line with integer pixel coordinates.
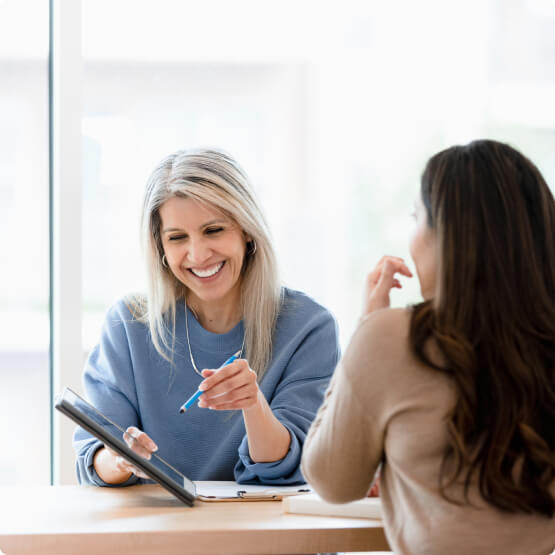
{"type": "Point", "coordinates": [204, 249]}
{"type": "Point", "coordinates": [423, 250]}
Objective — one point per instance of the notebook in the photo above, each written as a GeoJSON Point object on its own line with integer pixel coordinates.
{"type": "Point", "coordinates": [311, 503]}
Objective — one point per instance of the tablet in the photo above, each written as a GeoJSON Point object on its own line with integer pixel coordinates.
{"type": "Point", "coordinates": [101, 427]}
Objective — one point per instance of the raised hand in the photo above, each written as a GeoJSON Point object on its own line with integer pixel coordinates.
{"type": "Point", "coordinates": [381, 280]}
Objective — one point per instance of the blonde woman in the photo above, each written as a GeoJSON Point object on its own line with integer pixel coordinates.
{"type": "Point", "coordinates": [213, 291]}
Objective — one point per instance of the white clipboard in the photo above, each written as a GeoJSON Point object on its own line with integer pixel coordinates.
{"type": "Point", "coordinates": [232, 491]}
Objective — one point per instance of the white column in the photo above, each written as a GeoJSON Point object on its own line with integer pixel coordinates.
{"type": "Point", "coordinates": [66, 221]}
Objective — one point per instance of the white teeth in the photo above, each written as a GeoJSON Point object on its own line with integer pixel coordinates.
{"type": "Point", "coordinates": [208, 272]}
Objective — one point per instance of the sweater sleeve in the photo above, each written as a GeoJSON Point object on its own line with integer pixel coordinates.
{"type": "Point", "coordinates": [345, 444]}
{"type": "Point", "coordinates": [296, 401]}
{"type": "Point", "coordinates": [109, 386]}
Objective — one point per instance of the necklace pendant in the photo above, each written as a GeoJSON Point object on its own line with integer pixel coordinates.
{"type": "Point", "coordinates": [189, 343]}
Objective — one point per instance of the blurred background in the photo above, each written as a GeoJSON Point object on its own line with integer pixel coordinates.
{"type": "Point", "coordinates": [331, 107]}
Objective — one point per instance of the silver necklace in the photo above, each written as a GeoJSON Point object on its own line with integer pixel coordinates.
{"type": "Point", "coordinates": [189, 342]}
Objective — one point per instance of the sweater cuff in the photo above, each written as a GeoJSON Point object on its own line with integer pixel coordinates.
{"type": "Point", "coordinates": [94, 477]}
{"type": "Point", "coordinates": [283, 471]}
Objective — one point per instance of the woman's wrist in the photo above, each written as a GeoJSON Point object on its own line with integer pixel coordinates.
{"type": "Point", "coordinates": [258, 407]}
{"type": "Point", "coordinates": [268, 438]}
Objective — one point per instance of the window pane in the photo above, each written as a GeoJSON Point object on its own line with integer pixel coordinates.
{"type": "Point", "coordinates": [332, 107]}
{"type": "Point", "coordinates": [24, 228]}
{"type": "Point", "coordinates": [139, 107]}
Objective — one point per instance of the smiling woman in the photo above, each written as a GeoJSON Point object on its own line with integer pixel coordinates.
{"type": "Point", "coordinates": [213, 290]}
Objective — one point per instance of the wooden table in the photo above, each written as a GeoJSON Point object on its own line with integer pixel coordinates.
{"type": "Point", "coordinates": [146, 519]}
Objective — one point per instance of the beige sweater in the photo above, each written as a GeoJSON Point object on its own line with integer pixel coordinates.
{"type": "Point", "coordinates": [383, 405]}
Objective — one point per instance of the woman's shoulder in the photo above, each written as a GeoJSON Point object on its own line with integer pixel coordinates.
{"type": "Point", "coordinates": [390, 330]}
{"type": "Point", "coordinates": [381, 344]}
{"type": "Point", "coordinates": [387, 322]}
{"type": "Point", "coordinates": [296, 304]}
{"type": "Point", "coordinates": [131, 308]}
{"type": "Point", "coordinates": [380, 339]}
{"type": "Point", "coordinates": [136, 306]}
{"type": "Point", "coordinates": [304, 322]}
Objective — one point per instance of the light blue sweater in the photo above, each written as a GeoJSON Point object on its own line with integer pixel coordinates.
{"type": "Point", "coordinates": [126, 379]}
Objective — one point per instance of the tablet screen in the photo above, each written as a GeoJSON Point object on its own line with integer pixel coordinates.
{"type": "Point", "coordinates": [92, 420]}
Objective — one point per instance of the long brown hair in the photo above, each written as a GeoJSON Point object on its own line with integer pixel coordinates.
{"type": "Point", "coordinates": [493, 319]}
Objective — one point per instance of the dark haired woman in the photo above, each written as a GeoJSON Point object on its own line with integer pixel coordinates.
{"type": "Point", "coordinates": [455, 397]}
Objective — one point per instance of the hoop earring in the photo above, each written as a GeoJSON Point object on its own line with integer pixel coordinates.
{"type": "Point", "coordinates": [164, 261]}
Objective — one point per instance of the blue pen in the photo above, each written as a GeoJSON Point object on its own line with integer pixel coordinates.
{"type": "Point", "coordinates": [189, 402]}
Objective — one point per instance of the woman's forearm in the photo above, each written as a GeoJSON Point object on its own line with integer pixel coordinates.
{"type": "Point", "coordinates": [268, 438]}
{"type": "Point", "coordinates": [104, 464]}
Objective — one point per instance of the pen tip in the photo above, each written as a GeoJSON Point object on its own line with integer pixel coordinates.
{"type": "Point", "coordinates": [181, 410]}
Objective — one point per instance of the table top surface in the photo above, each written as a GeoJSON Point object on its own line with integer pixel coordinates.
{"type": "Point", "coordinates": [131, 518]}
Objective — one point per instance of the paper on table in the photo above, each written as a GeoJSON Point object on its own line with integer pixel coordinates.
{"type": "Point", "coordinates": [228, 490]}
{"type": "Point", "coordinates": [369, 507]}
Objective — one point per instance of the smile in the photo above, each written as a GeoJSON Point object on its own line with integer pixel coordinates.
{"type": "Point", "coordinates": [207, 272]}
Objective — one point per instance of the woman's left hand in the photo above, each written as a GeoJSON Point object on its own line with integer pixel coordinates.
{"type": "Point", "coordinates": [233, 387]}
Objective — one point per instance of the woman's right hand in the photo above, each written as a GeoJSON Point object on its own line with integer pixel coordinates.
{"type": "Point", "coordinates": [113, 468]}
{"type": "Point", "coordinates": [381, 280]}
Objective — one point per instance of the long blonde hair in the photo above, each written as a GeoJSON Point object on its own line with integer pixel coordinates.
{"type": "Point", "coordinates": [214, 178]}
